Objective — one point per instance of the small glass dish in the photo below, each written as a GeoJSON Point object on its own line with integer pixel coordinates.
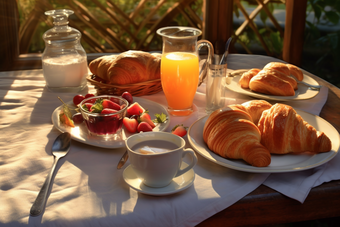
{"type": "Point", "coordinates": [106, 125]}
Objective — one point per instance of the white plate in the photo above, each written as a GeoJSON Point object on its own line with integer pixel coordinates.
{"type": "Point", "coordinates": [279, 163]}
{"type": "Point", "coordinates": [177, 184]}
{"type": "Point", "coordinates": [301, 93]}
{"type": "Point", "coordinates": [80, 133]}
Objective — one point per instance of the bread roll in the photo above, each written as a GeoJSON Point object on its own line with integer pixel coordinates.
{"type": "Point", "coordinates": [127, 68]}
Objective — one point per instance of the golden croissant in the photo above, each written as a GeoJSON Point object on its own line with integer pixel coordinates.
{"type": "Point", "coordinates": [284, 131]}
{"type": "Point", "coordinates": [254, 108]}
{"type": "Point", "coordinates": [246, 77]}
{"type": "Point", "coordinates": [231, 133]}
{"type": "Point", "coordinates": [273, 82]}
{"type": "Point", "coordinates": [127, 68]}
{"type": "Point", "coordinates": [274, 79]}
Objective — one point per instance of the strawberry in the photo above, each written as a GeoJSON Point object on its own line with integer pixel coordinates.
{"type": "Point", "coordinates": [126, 95]}
{"type": "Point", "coordinates": [130, 124]}
{"type": "Point", "coordinates": [135, 109]}
{"type": "Point", "coordinates": [179, 130]}
{"type": "Point", "coordinates": [145, 117]}
{"type": "Point", "coordinates": [109, 104]}
{"type": "Point", "coordinates": [108, 111]}
{"type": "Point", "coordinates": [77, 99]}
{"type": "Point", "coordinates": [144, 127]}
{"type": "Point", "coordinates": [88, 95]}
{"type": "Point", "coordinates": [87, 106]}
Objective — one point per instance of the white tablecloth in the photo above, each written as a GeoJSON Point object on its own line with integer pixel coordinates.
{"type": "Point", "coordinates": [88, 190]}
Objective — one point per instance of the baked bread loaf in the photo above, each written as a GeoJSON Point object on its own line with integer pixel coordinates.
{"type": "Point", "coordinates": [284, 131]}
{"type": "Point", "coordinates": [127, 68]}
{"type": "Point", "coordinates": [274, 79]}
{"type": "Point", "coordinates": [231, 133]}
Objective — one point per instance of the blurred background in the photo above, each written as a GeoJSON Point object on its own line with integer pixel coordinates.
{"type": "Point", "coordinates": [258, 26]}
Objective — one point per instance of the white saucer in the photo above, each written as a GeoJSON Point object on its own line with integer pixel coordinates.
{"type": "Point", "coordinates": [178, 184]}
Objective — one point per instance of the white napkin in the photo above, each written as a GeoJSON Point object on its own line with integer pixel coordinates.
{"type": "Point", "coordinates": [298, 185]}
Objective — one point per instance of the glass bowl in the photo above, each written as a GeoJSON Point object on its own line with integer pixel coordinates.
{"type": "Point", "coordinates": [106, 125]}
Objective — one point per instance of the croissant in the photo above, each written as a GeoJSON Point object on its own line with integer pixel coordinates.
{"type": "Point", "coordinates": [281, 67]}
{"type": "Point", "coordinates": [273, 82]}
{"type": "Point", "coordinates": [127, 68]}
{"type": "Point", "coordinates": [295, 71]}
{"type": "Point", "coordinates": [245, 78]}
{"type": "Point", "coordinates": [284, 131]}
{"type": "Point", "coordinates": [274, 79]}
{"type": "Point", "coordinates": [287, 69]}
{"type": "Point", "coordinates": [254, 108]}
{"type": "Point", "coordinates": [230, 133]}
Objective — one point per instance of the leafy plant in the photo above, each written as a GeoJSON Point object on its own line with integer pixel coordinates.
{"type": "Point", "coordinates": [326, 43]}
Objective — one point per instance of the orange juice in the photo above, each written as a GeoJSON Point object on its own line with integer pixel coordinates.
{"type": "Point", "coordinates": [179, 76]}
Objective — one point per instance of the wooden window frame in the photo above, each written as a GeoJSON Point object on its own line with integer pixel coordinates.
{"type": "Point", "coordinates": [217, 28]}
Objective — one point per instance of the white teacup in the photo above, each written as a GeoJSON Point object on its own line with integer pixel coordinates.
{"type": "Point", "coordinates": [159, 168]}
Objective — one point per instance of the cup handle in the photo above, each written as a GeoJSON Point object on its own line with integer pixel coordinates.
{"type": "Point", "coordinates": [204, 70]}
{"type": "Point", "coordinates": [191, 165]}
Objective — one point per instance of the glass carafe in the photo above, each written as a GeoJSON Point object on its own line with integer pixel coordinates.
{"type": "Point", "coordinates": [64, 60]}
{"type": "Point", "coordinates": [180, 70]}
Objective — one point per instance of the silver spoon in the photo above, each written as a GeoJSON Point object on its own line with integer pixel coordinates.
{"type": "Point", "coordinates": [125, 156]}
{"type": "Point", "coordinates": [123, 159]}
{"type": "Point", "coordinates": [60, 148]}
{"type": "Point", "coordinates": [226, 51]}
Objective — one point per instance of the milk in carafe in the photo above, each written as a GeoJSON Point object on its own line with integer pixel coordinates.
{"type": "Point", "coordinates": [64, 60]}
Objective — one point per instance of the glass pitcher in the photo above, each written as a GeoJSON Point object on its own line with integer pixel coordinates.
{"type": "Point", "coordinates": [180, 71]}
{"type": "Point", "coordinates": [64, 60]}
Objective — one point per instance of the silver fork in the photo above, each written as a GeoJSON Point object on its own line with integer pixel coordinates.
{"type": "Point", "coordinates": [310, 86]}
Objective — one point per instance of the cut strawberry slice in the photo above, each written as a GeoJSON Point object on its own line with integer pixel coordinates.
{"type": "Point", "coordinates": [144, 127]}
{"type": "Point", "coordinates": [130, 124]}
{"type": "Point", "coordinates": [108, 111]}
{"type": "Point", "coordinates": [111, 105]}
{"type": "Point", "coordinates": [135, 109]}
{"type": "Point", "coordinates": [145, 117]}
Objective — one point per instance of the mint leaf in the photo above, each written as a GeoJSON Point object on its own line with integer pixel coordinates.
{"type": "Point", "coordinates": [160, 118]}
{"type": "Point", "coordinates": [97, 108]}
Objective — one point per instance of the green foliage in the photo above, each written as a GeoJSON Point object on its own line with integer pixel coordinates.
{"type": "Point", "coordinates": [321, 48]}
{"type": "Point", "coordinates": [326, 12]}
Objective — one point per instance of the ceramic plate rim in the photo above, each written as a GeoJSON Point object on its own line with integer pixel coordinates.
{"type": "Point", "coordinates": [242, 166]}
{"type": "Point", "coordinates": [235, 86]}
{"type": "Point", "coordinates": [100, 142]}
{"type": "Point", "coordinates": [160, 191]}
